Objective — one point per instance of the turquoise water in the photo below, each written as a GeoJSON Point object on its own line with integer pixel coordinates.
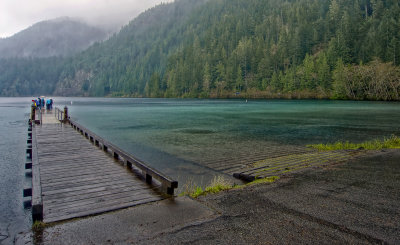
{"type": "Point", "coordinates": [179, 137]}
{"type": "Point", "coordinates": [176, 135]}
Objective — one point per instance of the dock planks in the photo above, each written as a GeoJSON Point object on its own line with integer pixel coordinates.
{"type": "Point", "coordinates": [79, 179]}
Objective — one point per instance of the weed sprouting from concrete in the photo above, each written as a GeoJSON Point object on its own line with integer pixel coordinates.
{"type": "Point", "coordinates": [264, 180]}
{"type": "Point", "coordinates": [38, 226]}
{"type": "Point", "coordinates": [189, 188]}
{"type": "Point", "coordinates": [388, 143]}
{"type": "Point", "coordinates": [219, 183]}
{"type": "Point", "coordinates": [198, 192]}
{"type": "Point", "coordinates": [38, 229]}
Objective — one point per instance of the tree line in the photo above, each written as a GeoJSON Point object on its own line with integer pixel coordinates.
{"type": "Point", "coordinates": [242, 48]}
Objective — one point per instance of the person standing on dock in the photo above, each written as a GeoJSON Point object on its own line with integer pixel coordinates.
{"type": "Point", "coordinates": [42, 102]}
{"type": "Point", "coordinates": [48, 104]}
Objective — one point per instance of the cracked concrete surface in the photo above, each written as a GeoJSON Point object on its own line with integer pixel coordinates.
{"type": "Point", "coordinates": [351, 203]}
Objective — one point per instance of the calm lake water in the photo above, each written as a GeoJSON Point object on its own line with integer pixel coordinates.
{"type": "Point", "coordinates": [14, 114]}
{"type": "Point", "coordinates": [175, 136]}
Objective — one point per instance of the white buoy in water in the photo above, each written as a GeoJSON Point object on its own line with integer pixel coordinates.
{"type": "Point", "coordinates": [71, 102]}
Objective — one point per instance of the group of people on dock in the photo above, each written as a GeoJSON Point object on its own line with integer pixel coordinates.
{"type": "Point", "coordinates": [40, 103]}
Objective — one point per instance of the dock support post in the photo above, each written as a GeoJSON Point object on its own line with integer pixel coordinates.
{"type": "Point", "coordinates": [169, 190]}
{"type": "Point", "coordinates": [115, 155]}
{"type": "Point", "coordinates": [129, 165]}
{"type": "Point", "coordinates": [65, 114]}
{"type": "Point", "coordinates": [149, 178]}
{"type": "Point", "coordinates": [33, 112]}
{"type": "Point", "coordinates": [37, 212]}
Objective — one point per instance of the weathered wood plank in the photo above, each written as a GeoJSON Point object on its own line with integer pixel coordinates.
{"type": "Point", "coordinates": [87, 188]}
{"type": "Point", "coordinates": [90, 188]}
{"type": "Point", "coordinates": [59, 149]}
{"type": "Point", "coordinates": [97, 164]}
{"type": "Point", "coordinates": [130, 189]}
{"type": "Point", "coordinates": [68, 164]}
{"type": "Point", "coordinates": [67, 153]}
{"type": "Point", "coordinates": [101, 189]}
{"type": "Point", "coordinates": [73, 158]}
{"type": "Point", "coordinates": [98, 203]}
{"type": "Point", "coordinates": [80, 181]}
{"type": "Point", "coordinates": [64, 216]}
{"type": "Point", "coordinates": [99, 167]}
{"type": "Point", "coordinates": [95, 198]}
{"type": "Point", "coordinates": [84, 175]}
{"type": "Point", "coordinates": [55, 181]}
{"type": "Point", "coordinates": [82, 178]}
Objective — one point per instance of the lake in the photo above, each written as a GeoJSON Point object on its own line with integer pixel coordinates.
{"type": "Point", "coordinates": [14, 114]}
{"type": "Point", "coordinates": [183, 138]}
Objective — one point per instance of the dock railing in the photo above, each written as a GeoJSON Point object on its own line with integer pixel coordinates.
{"type": "Point", "coordinates": [59, 114]}
{"type": "Point", "coordinates": [167, 184]}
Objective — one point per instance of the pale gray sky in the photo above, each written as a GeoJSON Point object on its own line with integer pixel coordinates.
{"type": "Point", "coordinates": [16, 15]}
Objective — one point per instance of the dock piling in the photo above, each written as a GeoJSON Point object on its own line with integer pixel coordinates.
{"type": "Point", "coordinates": [65, 114]}
{"type": "Point", "coordinates": [33, 113]}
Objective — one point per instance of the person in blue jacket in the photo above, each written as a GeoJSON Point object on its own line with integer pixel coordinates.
{"type": "Point", "coordinates": [48, 104]}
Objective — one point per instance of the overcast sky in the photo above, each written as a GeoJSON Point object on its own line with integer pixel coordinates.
{"type": "Point", "coordinates": [16, 15]}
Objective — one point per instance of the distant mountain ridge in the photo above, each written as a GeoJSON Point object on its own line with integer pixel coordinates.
{"type": "Point", "coordinates": [57, 37]}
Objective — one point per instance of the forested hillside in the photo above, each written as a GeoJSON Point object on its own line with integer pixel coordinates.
{"type": "Point", "coordinates": [236, 48]}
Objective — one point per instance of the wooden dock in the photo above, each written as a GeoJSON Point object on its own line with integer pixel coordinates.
{"type": "Point", "coordinates": [72, 177]}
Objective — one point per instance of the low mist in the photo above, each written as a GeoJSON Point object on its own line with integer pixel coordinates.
{"type": "Point", "coordinates": [16, 15]}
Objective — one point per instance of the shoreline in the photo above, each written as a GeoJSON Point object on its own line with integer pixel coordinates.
{"type": "Point", "coordinates": [228, 97]}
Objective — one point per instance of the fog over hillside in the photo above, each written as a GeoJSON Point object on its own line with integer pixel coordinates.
{"type": "Point", "coordinates": [47, 34]}
{"type": "Point", "coordinates": [58, 37]}
{"type": "Point", "coordinates": [17, 15]}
